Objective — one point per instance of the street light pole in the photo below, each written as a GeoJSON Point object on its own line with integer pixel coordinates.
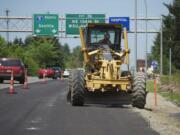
{"type": "Point", "coordinates": [170, 58]}
{"type": "Point", "coordinates": [161, 48]}
{"type": "Point", "coordinates": [135, 36]}
{"type": "Point", "coordinates": [7, 25]}
{"type": "Point", "coordinates": [145, 2]}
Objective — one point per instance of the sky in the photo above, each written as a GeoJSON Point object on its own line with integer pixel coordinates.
{"type": "Point", "coordinates": [111, 8]}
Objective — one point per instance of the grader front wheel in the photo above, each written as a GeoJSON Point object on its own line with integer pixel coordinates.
{"type": "Point", "coordinates": [77, 88]}
{"type": "Point", "coordinates": [139, 90]}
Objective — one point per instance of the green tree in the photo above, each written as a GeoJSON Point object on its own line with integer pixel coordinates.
{"type": "Point", "coordinates": [18, 41]}
{"type": "Point", "coordinates": [66, 49]}
{"type": "Point", "coordinates": [171, 37]}
{"type": "Point", "coordinates": [3, 46]}
{"type": "Point", "coordinates": [39, 52]}
{"type": "Point", "coordinates": [76, 58]}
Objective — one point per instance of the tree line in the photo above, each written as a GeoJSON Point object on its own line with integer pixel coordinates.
{"type": "Point", "coordinates": [41, 52]}
{"type": "Point", "coordinates": [171, 38]}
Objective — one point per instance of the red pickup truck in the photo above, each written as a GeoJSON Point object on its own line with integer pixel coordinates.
{"type": "Point", "coordinates": [9, 64]}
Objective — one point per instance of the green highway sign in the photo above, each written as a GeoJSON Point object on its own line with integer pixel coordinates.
{"type": "Point", "coordinates": [74, 21]}
{"type": "Point", "coordinates": [45, 24]}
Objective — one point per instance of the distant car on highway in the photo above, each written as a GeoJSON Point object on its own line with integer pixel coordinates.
{"type": "Point", "coordinates": [66, 73]}
{"type": "Point", "coordinates": [9, 64]}
{"type": "Point", "coordinates": [48, 72]}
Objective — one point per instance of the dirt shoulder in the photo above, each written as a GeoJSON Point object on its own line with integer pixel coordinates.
{"type": "Point", "coordinates": [163, 118]}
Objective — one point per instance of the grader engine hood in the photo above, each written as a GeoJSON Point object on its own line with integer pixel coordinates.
{"type": "Point", "coordinates": [109, 69]}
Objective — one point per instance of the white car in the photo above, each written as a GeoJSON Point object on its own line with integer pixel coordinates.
{"type": "Point", "coordinates": [66, 73]}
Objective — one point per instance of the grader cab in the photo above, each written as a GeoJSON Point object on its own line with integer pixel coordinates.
{"type": "Point", "coordinates": [103, 57]}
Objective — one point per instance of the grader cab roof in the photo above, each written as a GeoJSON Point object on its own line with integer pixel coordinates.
{"type": "Point", "coordinates": [104, 25]}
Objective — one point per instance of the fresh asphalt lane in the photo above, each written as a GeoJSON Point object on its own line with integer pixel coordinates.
{"type": "Point", "coordinates": [43, 110]}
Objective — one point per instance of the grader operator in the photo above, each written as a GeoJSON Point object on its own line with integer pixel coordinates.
{"type": "Point", "coordinates": [103, 57]}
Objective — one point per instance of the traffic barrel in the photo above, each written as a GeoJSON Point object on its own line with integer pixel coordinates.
{"type": "Point", "coordinates": [11, 87]}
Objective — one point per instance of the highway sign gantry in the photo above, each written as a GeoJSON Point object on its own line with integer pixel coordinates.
{"type": "Point", "coordinates": [45, 25]}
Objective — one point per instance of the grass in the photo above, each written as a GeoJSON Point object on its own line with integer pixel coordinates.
{"type": "Point", "coordinates": [164, 91]}
{"type": "Point", "coordinates": [150, 85]}
{"type": "Point", "coordinates": [172, 96]}
{"type": "Point", "coordinates": [174, 79]}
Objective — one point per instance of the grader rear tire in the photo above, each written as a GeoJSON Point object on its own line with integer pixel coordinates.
{"type": "Point", "coordinates": [69, 86]}
{"type": "Point", "coordinates": [77, 88]}
{"type": "Point", "coordinates": [139, 90]}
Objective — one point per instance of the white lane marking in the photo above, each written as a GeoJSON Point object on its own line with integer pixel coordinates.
{"type": "Point", "coordinates": [51, 105]}
{"type": "Point", "coordinates": [33, 128]}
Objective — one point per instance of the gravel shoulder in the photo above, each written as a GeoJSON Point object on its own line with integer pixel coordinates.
{"type": "Point", "coordinates": [163, 118]}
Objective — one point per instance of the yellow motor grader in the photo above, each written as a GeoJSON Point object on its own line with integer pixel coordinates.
{"type": "Point", "coordinates": [103, 57]}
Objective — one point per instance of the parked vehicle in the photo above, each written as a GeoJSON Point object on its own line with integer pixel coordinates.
{"type": "Point", "coordinates": [49, 72]}
{"type": "Point", "coordinates": [7, 65]}
{"type": "Point", "coordinates": [58, 72]}
{"type": "Point", "coordinates": [66, 73]}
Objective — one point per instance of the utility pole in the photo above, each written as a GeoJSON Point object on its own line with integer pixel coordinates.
{"type": "Point", "coordinates": [7, 25]}
{"type": "Point", "coordinates": [145, 3]}
{"type": "Point", "coordinates": [161, 48]}
{"type": "Point", "coordinates": [170, 62]}
{"type": "Point", "coordinates": [135, 36]}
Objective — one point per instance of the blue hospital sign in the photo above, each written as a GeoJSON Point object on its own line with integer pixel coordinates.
{"type": "Point", "coordinates": [124, 21]}
{"type": "Point", "coordinates": [154, 63]}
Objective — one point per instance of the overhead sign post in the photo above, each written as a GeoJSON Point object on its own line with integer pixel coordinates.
{"type": "Point", "coordinates": [74, 21]}
{"type": "Point", "coordinates": [124, 21]}
{"type": "Point", "coordinates": [45, 24]}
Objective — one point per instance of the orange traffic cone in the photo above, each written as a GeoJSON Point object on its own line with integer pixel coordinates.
{"type": "Point", "coordinates": [61, 77]}
{"type": "Point", "coordinates": [25, 86]}
{"type": "Point", "coordinates": [11, 87]}
{"type": "Point", "coordinates": [44, 78]}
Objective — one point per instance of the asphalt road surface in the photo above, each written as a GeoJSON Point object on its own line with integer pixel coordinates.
{"type": "Point", "coordinates": [43, 110]}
